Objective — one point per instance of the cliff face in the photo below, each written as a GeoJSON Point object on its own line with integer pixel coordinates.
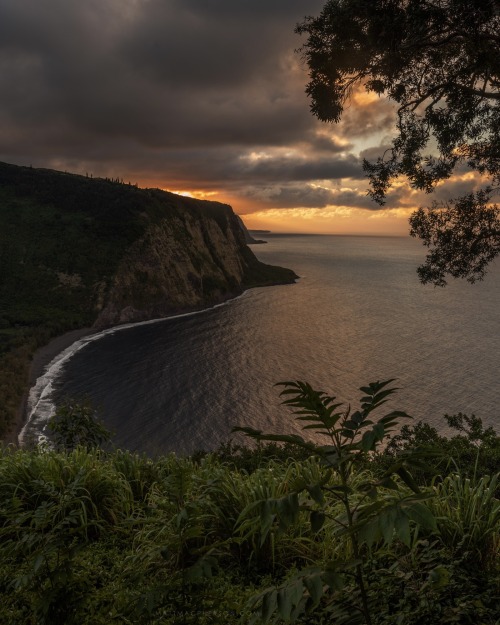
{"type": "Point", "coordinates": [182, 263]}
{"type": "Point", "coordinates": [78, 252]}
{"type": "Point", "coordinates": [249, 240]}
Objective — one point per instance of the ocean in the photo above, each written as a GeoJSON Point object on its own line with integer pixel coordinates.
{"type": "Point", "coordinates": [358, 314]}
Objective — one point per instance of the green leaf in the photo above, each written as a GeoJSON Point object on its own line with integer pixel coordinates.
{"type": "Point", "coordinates": [316, 493]}
{"type": "Point", "coordinates": [387, 520]}
{"type": "Point", "coordinates": [379, 431]}
{"type": "Point", "coordinates": [317, 519]}
{"type": "Point", "coordinates": [402, 528]}
{"type": "Point", "coordinates": [288, 509]}
{"type": "Point", "coordinates": [269, 604]}
{"type": "Point", "coordinates": [338, 488]}
{"type": "Point", "coordinates": [388, 482]}
{"type": "Point", "coordinates": [370, 532]}
{"type": "Point", "coordinates": [382, 395]}
{"type": "Point", "coordinates": [333, 579]}
{"type": "Point", "coordinates": [368, 440]}
{"type": "Point", "coordinates": [202, 569]}
{"type": "Point", "coordinates": [248, 431]}
{"type": "Point", "coordinates": [357, 417]}
{"type": "Point", "coordinates": [439, 577]}
{"type": "Point", "coordinates": [396, 414]}
{"type": "Point", "coordinates": [296, 590]}
{"type": "Point", "coordinates": [314, 586]}
{"type": "Point", "coordinates": [422, 515]}
{"type": "Point", "coordinates": [284, 602]}
{"type": "Point", "coordinates": [408, 479]}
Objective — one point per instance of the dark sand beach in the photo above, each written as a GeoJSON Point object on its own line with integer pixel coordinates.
{"type": "Point", "coordinates": [47, 353]}
{"type": "Point", "coordinates": [41, 359]}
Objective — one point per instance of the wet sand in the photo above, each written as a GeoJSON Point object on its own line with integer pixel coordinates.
{"type": "Point", "coordinates": [47, 353]}
{"type": "Point", "coordinates": [41, 359]}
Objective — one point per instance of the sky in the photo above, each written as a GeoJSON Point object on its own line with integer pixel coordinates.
{"type": "Point", "coordinates": [200, 97]}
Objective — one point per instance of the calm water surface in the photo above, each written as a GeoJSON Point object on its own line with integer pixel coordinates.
{"type": "Point", "coordinates": [358, 314]}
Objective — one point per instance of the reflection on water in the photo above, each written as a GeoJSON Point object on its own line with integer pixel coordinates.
{"type": "Point", "coordinates": [358, 314]}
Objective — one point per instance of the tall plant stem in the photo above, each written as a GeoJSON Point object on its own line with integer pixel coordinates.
{"type": "Point", "coordinates": [356, 553]}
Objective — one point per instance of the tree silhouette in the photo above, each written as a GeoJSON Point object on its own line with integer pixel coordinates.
{"type": "Point", "coordinates": [439, 61]}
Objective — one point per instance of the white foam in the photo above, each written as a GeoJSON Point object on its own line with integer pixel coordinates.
{"type": "Point", "coordinates": [40, 406]}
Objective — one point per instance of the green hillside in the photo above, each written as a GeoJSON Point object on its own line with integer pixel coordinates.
{"type": "Point", "coordinates": [64, 238]}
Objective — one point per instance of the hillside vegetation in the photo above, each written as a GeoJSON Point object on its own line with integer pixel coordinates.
{"type": "Point", "coordinates": [78, 252]}
{"type": "Point", "coordinates": [282, 533]}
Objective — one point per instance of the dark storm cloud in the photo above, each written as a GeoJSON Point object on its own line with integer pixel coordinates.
{"type": "Point", "coordinates": [228, 165]}
{"type": "Point", "coordinates": [303, 169]}
{"type": "Point", "coordinates": [294, 195]}
{"type": "Point", "coordinates": [211, 44]}
{"type": "Point", "coordinates": [176, 91]}
{"type": "Point", "coordinates": [323, 143]}
{"type": "Point", "coordinates": [307, 196]}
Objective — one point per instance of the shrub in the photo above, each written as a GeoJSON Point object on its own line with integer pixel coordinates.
{"type": "Point", "coordinates": [77, 425]}
{"type": "Point", "coordinates": [369, 512]}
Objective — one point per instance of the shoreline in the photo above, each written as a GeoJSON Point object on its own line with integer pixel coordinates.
{"type": "Point", "coordinates": [41, 359]}
{"type": "Point", "coordinates": [45, 355]}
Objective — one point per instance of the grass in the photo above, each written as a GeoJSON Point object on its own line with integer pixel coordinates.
{"type": "Point", "coordinates": [94, 537]}
{"type": "Point", "coordinates": [468, 516]}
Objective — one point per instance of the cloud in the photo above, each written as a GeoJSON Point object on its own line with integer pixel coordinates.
{"type": "Point", "coordinates": [177, 70]}
{"type": "Point", "coordinates": [310, 195]}
{"type": "Point", "coordinates": [324, 141]}
{"type": "Point", "coordinates": [198, 45]}
{"type": "Point", "coordinates": [204, 95]}
{"type": "Point", "coordinates": [368, 115]}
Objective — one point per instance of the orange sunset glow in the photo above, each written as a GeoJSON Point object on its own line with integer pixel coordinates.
{"type": "Point", "coordinates": [249, 312]}
{"type": "Point", "coordinates": [204, 114]}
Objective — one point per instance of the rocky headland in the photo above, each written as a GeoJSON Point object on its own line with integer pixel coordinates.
{"type": "Point", "coordinates": [80, 252]}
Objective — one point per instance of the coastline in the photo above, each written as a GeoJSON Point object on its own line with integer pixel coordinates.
{"type": "Point", "coordinates": [41, 358]}
{"type": "Point", "coordinates": [46, 354]}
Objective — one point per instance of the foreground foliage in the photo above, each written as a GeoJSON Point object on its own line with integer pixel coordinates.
{"type": "Point", "coordinates": [76, 424]}
{"type": "Point", "coordinates": [370, 513]}
{"type": "Point", "coordinates": [94, 537]}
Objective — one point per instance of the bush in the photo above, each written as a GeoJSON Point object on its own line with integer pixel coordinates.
{"type": "Point", "coordinates": [77, 425]}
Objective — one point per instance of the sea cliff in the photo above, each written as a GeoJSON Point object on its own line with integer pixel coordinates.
{"type": "Point", "coordinates": [79, 252]}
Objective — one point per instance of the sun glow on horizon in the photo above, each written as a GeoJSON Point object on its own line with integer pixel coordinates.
{"type": "Point", "coordinates": [347, 211]}
{"type": "Point", "coordinates": [197, 195]}
{"type": "Point", "coordinates": [330, 220]}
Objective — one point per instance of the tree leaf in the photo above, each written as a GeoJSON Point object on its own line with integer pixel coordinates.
{"type": "Point", "coordinates": [288, 509]}
{"type": "Point", "coordinates": [387, 520]}
{"type": "Point", "coordinates": [368, 440]}
{"type": "Point", "coordinates": [333, 579]}
{"type": "Point", "coordinates": [408, 479]}
{"type": "Point", "coordinates": [402, 528]}
{"type": "Point", "coordinates": [379, 431]}
{"type": "Point", "coordinates": [284, 603]}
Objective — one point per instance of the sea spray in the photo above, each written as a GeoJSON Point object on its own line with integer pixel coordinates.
{"type": "Point", "coordinates": [40, 405]}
